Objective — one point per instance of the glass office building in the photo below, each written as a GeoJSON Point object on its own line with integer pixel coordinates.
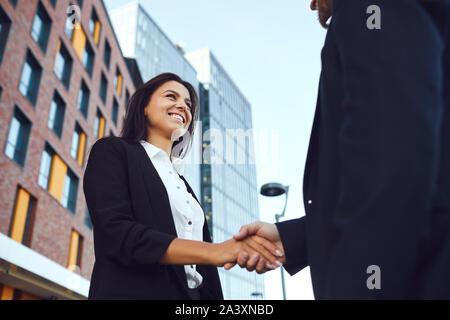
{"type": "Point", "coordinates": [140, 37]}
{"type": "Point", "coordinates": [228, 172]}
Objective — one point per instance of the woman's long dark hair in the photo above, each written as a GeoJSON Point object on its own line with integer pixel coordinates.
{"type": "Point", "coordinates": [135, 125]}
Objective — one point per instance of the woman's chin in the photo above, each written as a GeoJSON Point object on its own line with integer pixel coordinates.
{"type": "Point", "coordinates": [177, 133]}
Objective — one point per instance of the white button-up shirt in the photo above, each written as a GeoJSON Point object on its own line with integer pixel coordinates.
{"type": "Point", "coordinates": [187, 213]}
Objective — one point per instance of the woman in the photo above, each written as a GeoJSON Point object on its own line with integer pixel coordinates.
{"type": "Point", "coordinates": [150, 236]}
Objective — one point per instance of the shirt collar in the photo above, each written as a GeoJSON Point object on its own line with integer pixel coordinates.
{"type": "Point", "coordinates": [153, 151]}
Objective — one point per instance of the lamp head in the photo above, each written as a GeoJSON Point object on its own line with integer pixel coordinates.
{"type": "Point", "coordinates": [273, 189]}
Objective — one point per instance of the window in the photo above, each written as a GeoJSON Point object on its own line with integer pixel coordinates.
{"type": "Point", "coordinates": [79, 40]}
{"type": "Point", "coordinates": [99, 125]}
{"type": "Point", "coordinates": [69, 197]}
{"type": "Point", "coordinates": [115, 111]}
{"type": "Point", "coordinates": [63, 64]}
{"type": "Point", "coordinates": [107, 54]}
{"type": "Point", "coordinates": [78, 147]}
{"type": "Point", "coordinates": [75, 249]}
{"type": "Point", "coordinates": [70, 21]}
{"type": "Point", "coordinates": [41, 27]}
{"type": "Point", "coordinates": [88, 58]}
{"type": "Point", "coordinates": [58, 179]}
{"type": "Point", "coordinates": [22, 218]}
{"type": "Point", "coordinates": [87, 219]}
{"type": "Point", "coordinates": [83, 99]}
{"type": "Point", "coordinates": [103, 88]}
{"type": "Point", "coordinates": [19, 133]}
{"type": "Point", "coordinates": [5, 24]}
{"type": "Point", "coordinates": [80, 3]}
{"type": "Point", "coordinates": [118, 82]}
{"type": "Point", "coordinates": [56, 115]}
{"type": "Point", "coordinates": [95, 27]}
{"type": "Point", "coordinates": [31, 76]}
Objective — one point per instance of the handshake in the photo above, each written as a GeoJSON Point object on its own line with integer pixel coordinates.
{"type": "Point", "coordinates": [257, 246]}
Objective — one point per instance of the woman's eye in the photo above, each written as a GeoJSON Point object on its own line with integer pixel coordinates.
{"type": "Point", "coordinates": [171, 96]}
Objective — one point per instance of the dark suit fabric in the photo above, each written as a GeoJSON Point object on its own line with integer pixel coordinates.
{"type": "Point", "coordinates": [133, 226]}
{"type": "Point", "coordinates": [377, 175]}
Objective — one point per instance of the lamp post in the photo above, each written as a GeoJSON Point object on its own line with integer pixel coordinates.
{"type": "Point", "coordinates": [274, 189]}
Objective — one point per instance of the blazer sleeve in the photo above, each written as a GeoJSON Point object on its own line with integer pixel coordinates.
{"type": "Point", "coordinates": [116, 233]}
{"type": "Point", "coordinates": [293, 236]}
{"type": "Point", "coordinates": [388, 146]}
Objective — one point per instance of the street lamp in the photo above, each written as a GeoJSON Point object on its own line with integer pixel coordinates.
{"type": "Point", "coordinates": [274, 189]}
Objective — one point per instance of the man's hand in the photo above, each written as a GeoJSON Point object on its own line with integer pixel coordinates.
{"type": "Point", "coordinates": [263, 229]}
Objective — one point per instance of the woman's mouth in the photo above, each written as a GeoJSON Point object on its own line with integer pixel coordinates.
{"type": "Point", "coordinates": [177, 117]}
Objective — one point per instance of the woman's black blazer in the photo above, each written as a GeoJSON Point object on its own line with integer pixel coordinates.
{"type": "Point", "coordinates": [133, 226]}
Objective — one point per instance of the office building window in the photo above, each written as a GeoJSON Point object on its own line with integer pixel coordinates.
{"type": "Point", "coordinates": [115, 111]}
{"type": "Point", "coordinates": [79, 40]}
{"type": "Point", "coordinates": [30, 78]}
{"type": "Point", "coordinates": [99, 125]}
{"type": "Point", "coordinates": [63, 64]}
{"type": "Point", "coordinates": [88, 58]}
{"type": "Point", "coordinates": [87, 219]}
{"type": "Point", "coordinates": [5, 24]}
{"type": "Point", "coordinates": [56, 177]}
{"type": "Point", "coordinates": [95, 27]}
{"type": "Point", "coordinates": [71, 21]}
{"type": "Point", "coordinates": [83, 99]}
{"type": "Point", "coordinates": [18, 136]}
{"type": "Point", "coordinates": [107, 54]}
{"type": "Point", "coordinates": [41, 27]}
{"type": "Point", "coordinates": [103, 88]}
{"type": "Point", "coordinates": [78, 147]}
{"type": "Point", "coordinates": [69, 197]}
{"type": "Point", "coordinates": [22, 217]}
{"type": "Point", "coordinates": [56, 115]}
{"type": "Point", "coordinates": [118, 82]}
{"type": "Point", "coordinates": [75, 250]}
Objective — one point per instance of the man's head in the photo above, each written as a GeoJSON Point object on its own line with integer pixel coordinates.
{"type": "Point", "coordinates": [325, 10]}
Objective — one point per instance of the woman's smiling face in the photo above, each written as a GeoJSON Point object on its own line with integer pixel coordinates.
{"type": "Point", "coordinates": [169, 110]}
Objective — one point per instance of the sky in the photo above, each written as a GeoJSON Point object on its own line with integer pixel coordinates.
{"type": "Point", "coordinates": [271, 50]}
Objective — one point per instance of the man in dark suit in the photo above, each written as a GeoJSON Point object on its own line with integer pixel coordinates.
{"type": "Point", "coordinates": [377, 176]}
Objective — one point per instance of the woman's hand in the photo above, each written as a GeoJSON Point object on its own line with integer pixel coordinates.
{"type": "Point", "coordinates": [254, 247]}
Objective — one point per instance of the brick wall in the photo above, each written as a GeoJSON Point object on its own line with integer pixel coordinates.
{"type": "Point", "coordinates": [53, 223]}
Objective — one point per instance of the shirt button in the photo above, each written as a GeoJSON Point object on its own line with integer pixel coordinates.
{"type": "Point", "coordinates": [178, 187]}
{"type": "Point", "coordinates": [309, 201]}
{"type": "Point", "coordinates": [190, 222]}
{"type": "Point", "coordinates": [170, 172]}
{"type": "Point", "coordinates": [187, 201]}
{"type": "Point", "coordinates": [192, 266]}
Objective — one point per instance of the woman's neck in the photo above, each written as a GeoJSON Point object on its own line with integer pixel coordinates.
{"type": "Point", "coordinates": [161, 142]}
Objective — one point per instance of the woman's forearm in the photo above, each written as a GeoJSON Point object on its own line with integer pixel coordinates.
{"type": "Point", "coordinates": [181, 251]}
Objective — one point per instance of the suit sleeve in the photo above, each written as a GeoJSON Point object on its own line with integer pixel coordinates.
{"type": "Point", "coordinates": [293, 237]}
{"type": "Point", "coordinates": [116, 233]}
{"type": "Point", "coordinates": [388, 146]}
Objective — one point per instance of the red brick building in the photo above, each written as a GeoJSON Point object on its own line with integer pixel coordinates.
{"type": "Point", "coordinates": [61, 88]}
